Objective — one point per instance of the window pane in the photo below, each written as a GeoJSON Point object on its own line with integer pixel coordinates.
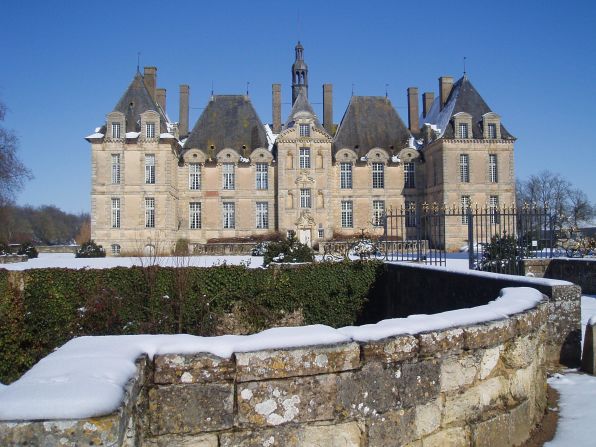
{"type": "Point", "coordinates": [115, 130]}
{"type": "Point", "coordinates": [305, 199]}
{"type": "Point", "coordinates": [304, 158]}
{"type": "Point", "coordinates": [345, 180]}
{"type": "Point", "coordinates": [378, 175]}
{"type": "Point", "coordinates": [305, 130]}
{"type": "Point", "coordinates": [194, 218]}
{"type": "Point", "coordinates": [492, 130]}
{"type": "Point", "coordinates": [347, 218]}
{"type": "Point", "coordinates": [149, 213]}
{"type": "Point", "coordinates": [115, 213]}
{"type": "Point", "coordinates": [262, 176]}
{"type": "Point", "coordinates": [229, 215]}
{"type": "Point", "coordinates": [409, 177]}
{"type": "Point", "coordinates": [463, 130]}
{"type": "Point", "coordinates": [465, 206]}
{"type": "Point", "coordinates": [410, 213]}
{"type": "Point", "coordinates": [150, 168]}
{"type": "Point", "coordinates": [150, 130]}
{"type": "Point", "coordinates": [262, 215]}
{"type": "Point", "coordinates": [228, 176]}
{"type": "Point", "coordinates": [493, 206]}
{"type": "Point", "coordinates": [115, 169]}
{"type": "Point", "coordinates": [194, 176]}
{"type": "Point", "coordinates": [464, 168]}
{"type": "Point", "coordinates": [492, 168]}
{"type": "Point", "coordinates": [378, 212]}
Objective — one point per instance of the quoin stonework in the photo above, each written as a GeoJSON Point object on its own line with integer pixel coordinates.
{"type": "Point", "coordinates": [155, 181]}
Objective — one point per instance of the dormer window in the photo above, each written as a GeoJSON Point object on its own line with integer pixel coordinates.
{"type": "Point", "coordinates": [150, 127]}
{"type": "Point", "coordinates": [115, 130]}
{"type": "Point", "coordinates": [491, 124]}
{"type": "Point", "coordinates": [492, 131]}
{"type": "Point", "coordinates": [304, 130]}
{"type": "Point", "coordinates": [463, 130]}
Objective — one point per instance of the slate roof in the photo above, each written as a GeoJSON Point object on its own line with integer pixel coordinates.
{"type": "Point", "coordinates": [463, 98]}
{"type": "Point", "coordinates": [302, 105]}
{"type": "Point", "coordinates": [136, 100]}
{"type": "Point", "coordinates": [228, 121]}
{"type": "Point", "coordinates": [371, 121]}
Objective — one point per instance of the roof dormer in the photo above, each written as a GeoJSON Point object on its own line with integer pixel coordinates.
{"type": "Point", "coordinates": [491, 126]}
{"type": "Point", "coordinates": [115, 126]}
{"type": "Point", "coordinates": [462, 123]}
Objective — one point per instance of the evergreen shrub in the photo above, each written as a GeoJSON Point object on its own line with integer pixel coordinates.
{"type": "Point", "coordinates": [28, 249]}
{"type": "Point", "coordinates": [91, 250]}
{"type": "Point", "coordinates": [289, 250]}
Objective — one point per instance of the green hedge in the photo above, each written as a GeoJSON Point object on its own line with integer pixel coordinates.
{"type": "Point", "coordinates": [59, 304]}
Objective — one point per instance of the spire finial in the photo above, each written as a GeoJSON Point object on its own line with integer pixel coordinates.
{"type": "Point", "coordinates": [138, 61]}
{"type": "Point", "coordinates": [386, 90]}
{"type": "Point", "coordinates": [211, 88]}
{"type": "Point", "coordinates": [353, 89]}
{"type": "Point", "coordinates": [247, 85]}
{"type": "Point", "coordinates": [465, 75]}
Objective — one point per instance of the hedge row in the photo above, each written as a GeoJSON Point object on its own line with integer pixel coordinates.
{"type": "Point", "coordinates": [56, 305]}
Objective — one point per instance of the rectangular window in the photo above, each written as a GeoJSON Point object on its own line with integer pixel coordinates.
{"type": "Point", "coordinates": [150, 127]}
{"type": "Point", "coordinates": [115, 249]}
{"type": "Point", "coordinates": [194, 176]}
{"type": "Point", "coordinates": [305, 198]}
{"type": "Point", "coordinates": [347, 216]}
{"type": "Point", "coordinates": [378, 175]}
{"type": "Point", "coordinates": [493, 207]}
{"type": "Point", "coordinates": [464, 168]}
{"type": "Point", "coordinates": [115, 130]}
{"type": "Point", "coordinates": [262, 215]}
{"type": "Point", "coordinates": [115, 213]}
{"type": "Point", "coordinates": [409, 175]}
{"type": "Point", "coordinates": [229, 215]}
{"type": "Point", "coordinates": [115, 169]}
{"type": "Point", "coordinates": [492, 131]}
{"type": "Point", "coordinates": [150, 169]}
{"type": "Point", "coordinates": [345, 175]}
{"type": "Point", "coordinates": [304, 158]}
{"type": "Point", "coordinates": [378, 212]}
{"type": "Point", "coordinates": [305, 130]}
{"type": "Point", "coordinates": [149, 212]}
{"type": "Point", "coordinates": [194, 215]}
{"type": "Point", "coordinates": [492, 168]}
{"type": "Point", "coordinates": [321, 233]}
{"type": "Point", "coordinates": [465, 207]}
{"type": "Point", "coordinates": [410, 213]}
{"type": "Point", "coordinates": [262, 170]}
{"type": "Point", "coordinates": [463, 130]}
{"type": "Point", "coordinates": [229, 180]}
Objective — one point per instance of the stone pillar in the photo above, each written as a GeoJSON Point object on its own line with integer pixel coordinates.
{"type": "Point", "coordinates": [276, 107]}
{"type": "Point", "coordinates": [328, 107]}
{"type": "Point", "coordinates": [427, 102]}
{"type": "Point", "coordinates": [588, 357]}
{"type": "Point", "coordinates": [183, 114]}
{"type": "Point", "coordinates": [150, 78]}
{"type": "Point", "coordinates": [445, 86]}
{"type": "Point", "coordinates": [413, 110]}
{"type": "Point", "coordinates": [160, 98]}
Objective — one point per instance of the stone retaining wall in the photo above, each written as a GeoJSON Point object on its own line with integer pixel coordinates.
{"type": "Point", "coordinates": [482, 385]}
{"type": "Point", "coordinates": [578, 271]}
{"type": "Point", "coordinates": [223, 248]}
{"type": "Point", "coordinates": [11, 259]}
{"type": "Point", "coordinates": [57, 248]}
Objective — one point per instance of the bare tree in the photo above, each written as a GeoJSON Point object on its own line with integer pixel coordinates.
{"type": "Point", "coordinates": [580, 210]}
{"type": "Point", "coordinates": [13, 172]}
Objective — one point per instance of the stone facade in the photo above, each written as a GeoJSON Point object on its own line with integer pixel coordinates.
{"type": "Point", "coordinates": [483, 384]}
{"type": "Point", "coordinates": [231, 177]}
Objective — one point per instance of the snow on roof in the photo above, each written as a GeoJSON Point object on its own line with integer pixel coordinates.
{"type": "Point", "coordinates": [95, 135]}
{"type": "Point", "coordinates": [132, 134]}
{"type": "Point", "coordinates": [166, 135]}
{"type": "Point", "coordinates": [271, 137]}
{"type": "Point", "coordinates": [437, 118]}
{"type": "Point", "coordinates": [87, 376]}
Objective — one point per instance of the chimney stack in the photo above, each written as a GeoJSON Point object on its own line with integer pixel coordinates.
{"type": "Point", "coordinates": [150, 78]}
{"type": "Point", "coordinates": [427, 102]}
{"type": "Point", "coordinates": [413, 110]}
{"type": "Point", "coordinates": [276, 95]}
{"type": "Point", "coordinates": [328, 108]}
{"type": "Point", "coordinates": [160, 98]}
{"type": "Point", "coordinates": [445, 86]}
{"type": "Point", "coordinates": [183, 118]}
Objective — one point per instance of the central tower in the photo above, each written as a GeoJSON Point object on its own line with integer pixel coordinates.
{"type": "Point", "coordinates": [299, 73]}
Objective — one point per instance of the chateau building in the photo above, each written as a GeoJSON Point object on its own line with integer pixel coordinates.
{"type": "Point", "coordinates": [231, 176]}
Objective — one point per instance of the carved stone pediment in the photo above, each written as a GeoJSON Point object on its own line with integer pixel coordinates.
{"type": "Point", "coordinates": [305, 220]}
{"type": "Point", "coordinates": [303, 178]}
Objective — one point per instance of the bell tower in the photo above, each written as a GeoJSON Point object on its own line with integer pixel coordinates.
{"type": "Point", "coordinates": [299, 73]}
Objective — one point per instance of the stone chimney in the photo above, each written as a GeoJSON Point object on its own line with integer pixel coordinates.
{"type": "Point", "coordinates": [276, 107]}
{"type": "Point", "coordinates": [427, 102]}
{"type": "Point", "coordinates": [413, 110]}
{"type": "Point", "coordinates": [445, 86]}
{"type": "Point", "coordinates": [183, 118]}
{"type": "Point", "coordinates": [160, 98]}
{"type": "Point", "coordinates": [328, 108]}
{"type": "Point", "coordinates": [150, 78]}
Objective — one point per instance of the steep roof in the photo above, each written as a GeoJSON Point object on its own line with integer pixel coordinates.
{"type": "Point", "coordinates": [301, 105]}
{"type": "Point", "coordinates": [136, 100]}
{"type": "Point", "coordinates": [228, 121]}
{"type": "Point", "coordinates": [371, 121]}
{"type": "Point", "coordinates": [463, 98]}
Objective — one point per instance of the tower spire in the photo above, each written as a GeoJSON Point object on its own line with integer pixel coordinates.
{"type": "Point", "coordinates": [299, 73]}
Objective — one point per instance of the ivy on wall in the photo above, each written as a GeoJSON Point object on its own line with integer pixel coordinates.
{"type": "Point", "coordinates": [56, 305]}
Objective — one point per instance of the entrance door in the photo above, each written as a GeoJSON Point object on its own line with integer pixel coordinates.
{"type": "Point", "coordinates": [304, 236]}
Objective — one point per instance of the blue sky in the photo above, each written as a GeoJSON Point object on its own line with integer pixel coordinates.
{"type": "Point", "coordinates": [65, 64]}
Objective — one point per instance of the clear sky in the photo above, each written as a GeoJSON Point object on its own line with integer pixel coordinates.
{"type": "Point", "coordinates": [65, 64]}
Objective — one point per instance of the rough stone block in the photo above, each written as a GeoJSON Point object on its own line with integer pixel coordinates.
{"type": "Point", "coordinates": [465, 407]}
{"type": "Point", "coordinates": [192, 368]}
{"type": "Point", "coordinates": [420, 382]}
{"type": "Point", "coordinates": [297, 399]}
{"type": "Point", "coordinates": [488, 334]}
{"type": "Point", "coordinates": [520, 424]}
{"type": "Point", "coordinates": [439, 342]}
{"type": "Point", "coordinates": [521, 382]}
{"type": "Point", "coordinates": [492, 432]}
{"type": "Point", "coordinates": [428, 417]}
{"type": "Point", "coordinates": [529, 321]}
{"type": "Point", "coordinates": [275, 364]}
{"type": "Point", "coordinates": [347, 434]}
{"type": "Point", "coordinates": [458, 371]}
{"type": "Point", "coordinates": [452, 437]}
{"type": "Point", "coordinates": [394, 428]}
{"type": "Point", "coordinates": [520, 352]}
{"type": "Point", "coordinates": [488, 361]}
{"type": "Point", "coordinates": [209, 440]}
{"type": "Point", "coordinates": [191, 408]}
{"type": "Point", "coordinates": [391, 350]}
